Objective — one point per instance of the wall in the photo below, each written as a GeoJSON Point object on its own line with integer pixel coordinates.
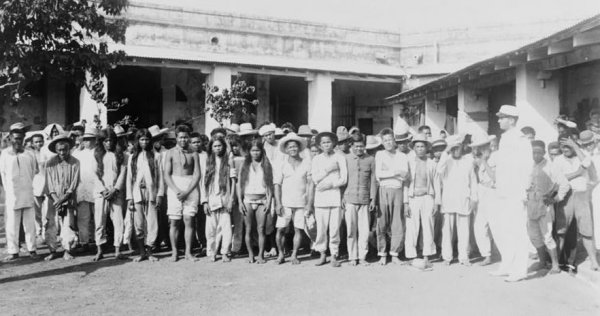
{"type": "Point", "coordinates": [580, 90]}
{"type": "Point", "coordinates": [190, 82]}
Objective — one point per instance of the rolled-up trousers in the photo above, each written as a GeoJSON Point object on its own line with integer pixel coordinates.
{"type": "Point", "coordinates": [421, 208]}
{"type": "Point", "coordinates": [390, 222]}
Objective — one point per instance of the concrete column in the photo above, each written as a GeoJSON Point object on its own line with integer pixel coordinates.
{"type": "Point", "coordinates": [538, 101]}
{"type": "Point", "coordinates": [319, 102]}
{"type": "Point", "coordinates": [220, 77]}
{"type": "Point", "coordinates": [55, 103]}
{"type": "Point", "coordinates": [263, 92]}
{"type": "Point", "coordinates": [435, 114]}
{"type": "Point", "coordinates": [472, 111]}
{"type": "Point", "coordinates": [88, 108]}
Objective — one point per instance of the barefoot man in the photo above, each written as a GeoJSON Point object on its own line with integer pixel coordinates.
{"type": "Point", "coordinates": [182, 173]}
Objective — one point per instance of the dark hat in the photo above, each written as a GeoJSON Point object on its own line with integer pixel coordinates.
{"type": "Point", "coordinates": [60, 138]}
{"type": "Point", "coordinates": [328, 134]}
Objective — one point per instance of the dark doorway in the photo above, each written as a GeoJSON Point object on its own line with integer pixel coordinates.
{"type": "Point", "coordinates": [289, 98]}
{"type": "Point", "coordinates": [499, 95]}
{"type": "Point", "coordinates": [365, 125]}
{"type": "Point", "coordinates": [141, 86]}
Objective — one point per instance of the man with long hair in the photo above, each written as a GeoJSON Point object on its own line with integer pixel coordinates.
{"type": "Point", "coordinates": [255, 192]}
{"type": "Point", "coordinates": [85, 189]}
{"type": "Point", "coordinates": [109, 190]}
{"type": "Point", "coordinates": [145, 192]}
{"type": "Point", "coordinates": [216, 197]}
{"type": "Point", "coordinates": [182, 173]}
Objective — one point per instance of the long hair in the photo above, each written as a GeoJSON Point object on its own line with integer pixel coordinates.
{"type": "Point", "coordinates": [137, 149]}
{"type": "Point", "coordinates": [264, 163]}
{"type": "Point", "coordinates": [100, 151]}
{"type": "Point", "coordinates": [211, 163]}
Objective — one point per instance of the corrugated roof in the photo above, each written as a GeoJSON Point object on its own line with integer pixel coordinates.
{"type": "Point", "coordinates": [264, 61]}
{"type": "Point", "coordinates": [585, 25]}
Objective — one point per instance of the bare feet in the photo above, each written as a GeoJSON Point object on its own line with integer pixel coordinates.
{"type": "Point", "coordinates": [396, 260]}
{"type": "Point", "coordinates": [140, 258]}
{"type": "Point", "coordinates": [190, 257]}
{"type": "Point", "coordinates": [335, 262]}
{"type": "Point", "coordinates": [447, 262]}
{"type": "Point", "coordinates": [322, 260]}
{"type": "Point", "coordinates": [33, 255]}
{"type": "Point", "coordinates": [152, 258]}
{"type": "Point", "coordinates": [174, 257]}
{"type": "Point", "coordinates": [465, 263]}
{"type": "Point", "coordinates": [98, 257]}
{"type": "Point", "coordinates": [554, 270]}
{"type": "Point", "coordinates": [120, 256]}
{"type": "Point", "coordinates": [213, 258]}
{"type": "Point", "coordinates": [364, 263]}
{"type": "Point", "coordinates": [354, 263]}
{"type": "Point", "coordinates": [383, 260]}
{"type": "Point", "coordinates": [51, 256]}
{"type": "Point", "coordinates": [486, 261]}
{"type": "Point", "coordinates": [226, 259]}
{"type": "Point", "coordinates": [251, 260]}
{"type": "Point", "coordinates": [67, 256]}
{"type": "Point", "coordinates": [295, 261]}
{"type": "Point", "coordinates": [594, 266]}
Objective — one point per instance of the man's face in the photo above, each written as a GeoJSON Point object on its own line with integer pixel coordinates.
{"type": "Point", "coordinates": [403, 146]}
{"type": "Point", "coordinates": [538, 154]}
{"type": "Point", "coordinates": [54, 132]}
{"type": "Point", "coordinates": [270, 138]}
{"type": "Point", "coordinates": [37, 142]}
{"type": "Point", "coordinates": [388, 142]}
{"type": "Point", "coordinates": [196, 144]}
{"type": "Point", "coordinates": [505, 122]}
{"type": "Point", "coordinates": [63, 150]}
{"type": "Point", "coordinates": [427, 132]}
{"type": "Point", "coordinates": [326, 144]}
{"type": "Point", "coordinates": [567, 151]}
{"type": "Point", "coordinates": [88, 143]}
{"type": "Point", "coordinates": [456, 152]}
{"type": "Point", "coordinates": [144, 142]}
{"type": "Point", "coordinates": [16, 140]}
{"type": "Point", "coordinates": [236, 149]}
{"type": "Point", "coordinates": [344, 146]}
{"type": "Point", "coordinates": [314, 150]}
{"type": "Point", "coordinates": [255, 153]}
{"type": "Point", "coordinates": [420, 149]}
{"type": "Point", "coordinates": [108, 144]}
{"type": "Point", "coordinates": [291, 148]}
{"type": "Point", "coordinates": [183, 139]}
{"type": "Point", "coordinates": [553, 153]}
{"type": "Point", "coordinates": [358, 148]}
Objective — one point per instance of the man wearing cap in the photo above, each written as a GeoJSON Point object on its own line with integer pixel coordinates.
{"type": "Point", "coordinates": [305, 132]}
{"type": "Point", "coordinates": [17, 169]}
{"type": "Point", "coordinates": [392, 173]}
{"type": "Point", "coordinates": [293, 193]}
{"type": "Point", "coordinates": [62, 178]}
{"type": "Point", "coordinates": [576, 166]}
{"type": "Point", "coordinates": [459, 196]}
{"type": "Point", "coordinates": [486, 176]}
{"type": "Point", "coordinates": [85, 189]}
{"type": "Point", "coordinates": [402, 135]}
{"type": "Point", "coordinates": [438, 146]}
{"type": "Point", "coordinates": [343, 146]}
{"type": "Point", "coordinates": [329, 174]}
{"type": "Point", "coordinates": [548, 187]}
{"type": "Point", "coordinates": [360, 198]}
{"type": "Point", "coordinates": [422, 199]}
{"type": "Point", "coordinates": [513, 177]}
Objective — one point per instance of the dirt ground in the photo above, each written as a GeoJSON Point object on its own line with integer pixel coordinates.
{"type": "Point", "coordinates": [118, 287]}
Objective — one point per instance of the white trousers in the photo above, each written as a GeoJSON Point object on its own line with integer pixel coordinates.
{"type": "Point", "coordinates": [84, 218]}
{"type": "Point", "coordinates": [481, 227]}
{"type": "Point", "coordinates": [357, 225]}
{"type": "Point", "coordinates": [511, 223]}
{"type": "Point", "coordinates": [459, 224]}
{"type": "Point", "coordinates": [13, 220]}
{"type": "Point", "coordinates": [328, 221]}
{"type": "Point", "coordinates": [218, 230]}
{"type": "Point", "coordinates": [421, 209]}
{"type": "Point", "coordinates": [128, 227]}
{"type": "Point", "coordinates": [596, 214]}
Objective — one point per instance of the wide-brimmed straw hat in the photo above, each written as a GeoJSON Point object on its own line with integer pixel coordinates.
{"type": "Point", "coordinates": [120, 131]}
{"type": "Point", "coordinates": [19, 126]}
{"type": "Point", "coordinates": [291, 136]}
{"type": "Point", "coordinates": [246, 129]}
{"type": "Point", "coordinates": [266, 129]}
{"type": "Point", "coordinates": [342, 134]}
{"type": "Point", "coordinates": [60, 138]}
{"type": "Point", "coordinates": [156, 131]}
{"type": "Point", "coordinates": [455, 140]}
{"type": "Point", "coordinates": [90, 132]}
{"type": "Point", "coordinates": [586, 137]}
{"type": "Point", "coordinates": [372, 142]}
{"type": "Point", "coordinates": [233, 128]}
{"type": "Point", "coordinates": [305, 131]}
{"type": "Point", "coordinates": [421, 138]}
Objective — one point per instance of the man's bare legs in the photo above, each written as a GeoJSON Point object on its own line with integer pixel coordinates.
{"type": "Point", "coordinates": [280, 240]}
{"type": "Point", "coordinates": [297, 241]}
{"type": "Point", "coordinates": [590, 248]}
{"type": "Point", "coordinates": [173, 236]}
{"type": "Point", "coordinates": [261, 245]}
{"type": "Point", "coordinates": [141, 247]}
{"type": "Point", "coordinates": [189, 236]}
{"type": "Point", "coordinates": [248, 237]}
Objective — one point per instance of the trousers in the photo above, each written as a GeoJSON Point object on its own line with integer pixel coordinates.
{"type": "Point", "coordinates": [84, 217]}
{"type": "Point", "coordinates": [455, 224]}
{"type": "Point", "coordinates": [114, 209]}
{"type": "Point", "coordinates": [357, 223]}
{"type": "Point", "coordinates": [481, 227]}
{"type": "Point", "coordinates": [512, 230]}
{"type": "Point", "coordinates": [13, 220]}
{"type": "Point", "coordinates": [218, 230]}
{"type": "Point", "coordinates": [421, 208]}
{"type": "Point", "coordinates": [145, 221]}
{"type": "Point", "coordinates": [328, 221]}
{"type": "Point", "coordinates": [390, 222]}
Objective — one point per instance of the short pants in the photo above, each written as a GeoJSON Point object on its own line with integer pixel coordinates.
{"type": "Point", "coordinates": [177, 209]}
{"type": "Point", "coordinates": [291, 214]}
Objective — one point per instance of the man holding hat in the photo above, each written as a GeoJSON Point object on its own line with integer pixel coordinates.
{"type": "Point", "coordinates": [62, 178]}
{"type": "Point", "coordinates": [513, 171]}
{"type": "Point", "coordinates": [293, 193]}
{"type": "Point", "coordinates": [17, 169]}
{"type": "Point", "coordinates": [422, 199]}
{"type": "Point", "coordinates": [85, 189]}
{"type": "Point", "coordinates": [459, 196]}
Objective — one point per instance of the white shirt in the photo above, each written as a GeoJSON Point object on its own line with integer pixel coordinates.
{"type": "Point", "coordinates": [337, 178]}
{"type": "Point", "coordinates": [17, 172]}
{"type": "Point", "coordinates": [391, 169]}
{"type": "Point", "coordinates": [293, 183]}
{"type": "Point", "coordinates": [256, 181]}
{"type": "Point", "coordinates": [566, 165]}
{"type": "Point", "coordinates": [87, 175]}
{"type": "Point", "coordinates": [514, 163]}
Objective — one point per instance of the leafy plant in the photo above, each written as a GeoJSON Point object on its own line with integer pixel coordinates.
{"type": "Point", "coordinates": [223, 104]}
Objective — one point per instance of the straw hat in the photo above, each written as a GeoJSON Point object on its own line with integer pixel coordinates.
{"type": "Point", "coordinates": [291, 136]}
{"type": "Point", "coordinates": [233, 128]}
{"type": "Point", "coordinates": [246, 129]}
{"type": "Point", "coordinates": [266, 129]}
{"type": "Point", "coordinates": [305, 131]}
{"type": "Point", "coordinates": [439, 143]}
{"type": "Point", "coordinates": [20, 127]}
{"type": "Point", "coordinates": [156, 131]}
{"type": "Point", "coordinates": [586, 137]}
{"type": "Point", "coordinates": [372, 142]}
{"type": "Point", "coordinates": [90, 132]}
{"type": "Point", "coordinates": [401, 131]}
{"type": "Point", "coordinates": [120, 131]}
{"type": "Point", "coordinates": [508, 111]}
{"type": "Point", "coordinates": [422, 138]}
{"type": "Point", "coordinates": [455, 140]}
{"type": "Point", "coordinates": [342, 133]}
{"type": "Point", "coordinates": [60, 138]}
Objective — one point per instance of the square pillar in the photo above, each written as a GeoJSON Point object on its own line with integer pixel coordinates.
{"type": "Point", "coordinates": [88, 108]}
{"type": "Point", "coordinates": [319, 102]}
{"type": "Point", "coordinates": [263, 92]}
{"type": "Point", "coordinates": [220, 76]}
{"type": "Point", "coordinates": [472, 111]}
{"type": "Point", "coordinates": [538, 100]}
{"type": "Point", "coordinates": [435, 114]}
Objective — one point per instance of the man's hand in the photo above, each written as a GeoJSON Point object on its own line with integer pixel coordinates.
{"type": "Point", "coordinates": [130, 205]}
{"type": "Point", "coordinates": [243, 208]}
{"type": "Point", "coordinates": [372, 206]}
{"type": "Point", "coordinates": [309, 210]}
{"type": "Point", "coordinates": [159, 202]}
{"type": "Point", "coordinates": [407, 212]}
{"type": "Point", "coordinates": [324, 185]}
{"type": "Point", "coordinates": [206, 208]}
{"type": "Point", "coordinates": [181, 196]}
{"type": "Point", "coordinates": [279, 210]}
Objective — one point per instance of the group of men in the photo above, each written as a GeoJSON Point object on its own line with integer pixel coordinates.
{"type": "Point", "coordinates": [408, 193]}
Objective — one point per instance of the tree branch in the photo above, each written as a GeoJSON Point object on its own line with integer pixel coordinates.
{"type": "Point", "coordinates": [8, 84]}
